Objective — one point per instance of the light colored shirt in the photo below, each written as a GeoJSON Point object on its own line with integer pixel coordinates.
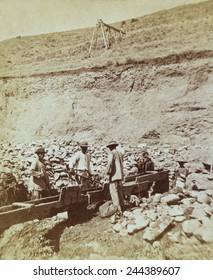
{"type": "Point", "coordinates": [39, 179]}
{"type": "Point", "coordinates": [80, 161]}
{"type": "Point", "coordinates": [115, 166]}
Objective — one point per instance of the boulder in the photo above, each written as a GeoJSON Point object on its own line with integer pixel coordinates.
{"type": "Point", "coordinates": [170, 199]}
{"type": "Point", "coordinates": [132, 228]}
{"type": "Point", "coordinates": [141, 221]}
{"type": "Point", "coordinates": [157, 198]}
{"type": "Point", "coordinates": [203, 198]}
{"type": "Point", "coordinates": [128, 214]}
{"type": "Point", "coordinates": [179, 219]}
{"type": "Point", "coordinates": [199, 213]}
{"type": "Point", "coordinates": [194, 167]}
{"type": "Point", "coordinates": [180, 183]}
{"type": "Point", "coordinates": [175, 236]}
{"type": "Point", "coordinates": [176, 211]}
{"type": "Point", "coordinates": [118, 227]}
{"type": "Point", "coordinates": [205, 232]}
{"type": "Point", "coordinates": [156, 229]}
{"type": "Point", "coordinates": [190, 226]}
{"type": "Point", "coordinates": [188, 201]}
{"type": "Point", "coordinates": [197, 181]}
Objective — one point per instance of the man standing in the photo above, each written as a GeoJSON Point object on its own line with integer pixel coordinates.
{"type": "Point", "coordinates": [145, 163]}
{"type": "Point", "coordinates": [116, 175]}
{"type": "Point", "coordinates": [81, 162]}
{"type": "Point", "coordinates": [39, 180]}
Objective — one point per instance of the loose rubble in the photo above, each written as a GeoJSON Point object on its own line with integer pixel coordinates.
{"type": "Point", "coordinates": [186, 210]}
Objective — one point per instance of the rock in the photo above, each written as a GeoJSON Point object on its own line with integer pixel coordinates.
{"type": "Point", "coordinates": [123, 232]}
{"type": "Point", "coordinates": [208, 209]}
{"type": "Point", "coordinates": [157, 228]}
{"type": "Point", "coordinates": [207, 222]}
{"type": "Point", "coordinates": [113, 219]}
{"type": "Point", "coordinates": [131, 229]}
{"type": "Point", "coordinates": [193, 194]}
{"type": "Point", "coordinates": [124, 223]}
{"type": "Point", "coordinates": [175, 237]}
{"type": "Point", "coordinates": [179, 219]}
{"type": "Point", "coordinates": [203, 198]}
{"type": "Point", "coordinates": [141, 221]}
{"type": "Point", "coordinates": [197, 181]}
{"type": "Point", "coordinates": [180, 184]}
{"type": "Point", "coordinates": [190, 226]}
{"type": "Point", "coordinates": [205, 233]}
{"type": "Point", "coordinates": [55, 160]}
{"type": "Point", "coordinates": [198, 213]}
{"type": "Point", "coordinates": [209, 192]}
{"type": "Point", "coordinates": [170, 199]}
{"type": "Point", "coordinates": [128, 214]}
{"type": "Point", "coordinates": [157, 198]}
{"type": "Point", "coordinates": [151, 215]}
{"type": "Point", "coordinates": [182, 176]}
{"type": "Point", "coordinates": [59, 184]}
{"type": "Point", "coordinates": [156, 244]}
{"type": "Point", "coordinates": [137, 212]}
{"type": "Point", "coordinates": [63, 215]}
{"type": "Point", "coordinates": [176, 211]}
{"type": "Point", "coordinates": [194, 167]}
{"type": "Point", "coordinates": [188, 201]}
{"type": "Point", "coordinates": [118, 227]}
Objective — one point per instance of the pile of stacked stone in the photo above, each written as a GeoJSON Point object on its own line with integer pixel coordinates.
{"type": "Point", "coordinates": [17, 158]}
{"type": "Point", "coordinates": [160, 214]}
{"type": "Point", "coordinates": [186, 211]}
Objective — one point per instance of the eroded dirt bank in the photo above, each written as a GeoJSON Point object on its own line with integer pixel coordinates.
{"type": "Point", "coordinates": [172, 98]}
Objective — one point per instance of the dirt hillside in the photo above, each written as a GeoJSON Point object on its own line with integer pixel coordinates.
{"type": "Point", "coordinates": [152, 86]}
{"type": "Point", "coordinates": [158, 77]}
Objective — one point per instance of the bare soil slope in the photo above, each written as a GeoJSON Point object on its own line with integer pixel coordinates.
{"type": "Point", "coordinates": [158, 77]}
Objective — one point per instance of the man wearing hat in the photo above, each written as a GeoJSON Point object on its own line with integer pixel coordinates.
{"type": "Point", "coordinates": [145, 163]}
{"type": "Point", "coordinates": [80, 164]}
{"type": "Point", "coordinates": [39, 180]}
{"type": "Point", "coordinates": [116, 175]}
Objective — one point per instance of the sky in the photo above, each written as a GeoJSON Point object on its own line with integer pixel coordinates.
{"type": "Point", "coordinates": [32, 17]}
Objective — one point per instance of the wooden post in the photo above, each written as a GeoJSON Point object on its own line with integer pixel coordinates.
{"type": "Point", "coordinates": [91, 44]}
{"type": "Point", "coordinates": [104, 36]}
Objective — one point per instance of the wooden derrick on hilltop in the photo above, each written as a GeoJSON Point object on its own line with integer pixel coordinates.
{"type": "Point", "coordinates": [107, 32]}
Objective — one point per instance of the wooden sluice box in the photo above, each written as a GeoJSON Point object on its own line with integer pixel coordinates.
{"type": "Point", "coordinates": [74, 197]}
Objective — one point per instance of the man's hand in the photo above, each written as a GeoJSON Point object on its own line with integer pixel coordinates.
{"type": "Point", "coordinates": [39, 175]}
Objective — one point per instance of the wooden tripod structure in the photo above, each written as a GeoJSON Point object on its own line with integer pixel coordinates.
{"type": "Point", "coordinates": [105, 30]}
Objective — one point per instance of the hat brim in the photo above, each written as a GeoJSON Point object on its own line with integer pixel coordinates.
{"type": "Point", "coordinates": [110, 145]}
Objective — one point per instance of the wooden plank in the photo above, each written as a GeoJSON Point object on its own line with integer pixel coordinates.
{"type": "Point", "coordinates": [130, 178]}
{"type": "Point", "coordinates": [153, 177]}
{"type": "Point", "coordinates": [115, 29]}
{"type": "Point", "coordinates": [134, 188]}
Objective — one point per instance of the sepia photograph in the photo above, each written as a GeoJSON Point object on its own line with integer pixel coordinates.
{"type": "Point", "coordinates": [106, 140]}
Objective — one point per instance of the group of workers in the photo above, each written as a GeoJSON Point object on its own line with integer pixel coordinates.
{"type": "Point", "coordinates": [79, 165]}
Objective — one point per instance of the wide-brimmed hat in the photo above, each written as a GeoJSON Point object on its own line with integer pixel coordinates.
{"type": "Point", "coordinates": [40, 150]}
{"type": "Point", "coordinates": [83, 144]}
{"type": "Point", "coordinates": [144, 152]}
{"type": "Point", "coordinates": [112, 143]}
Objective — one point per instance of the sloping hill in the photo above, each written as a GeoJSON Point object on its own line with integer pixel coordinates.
{"type": "Point", "coordinates": [157, 78]}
